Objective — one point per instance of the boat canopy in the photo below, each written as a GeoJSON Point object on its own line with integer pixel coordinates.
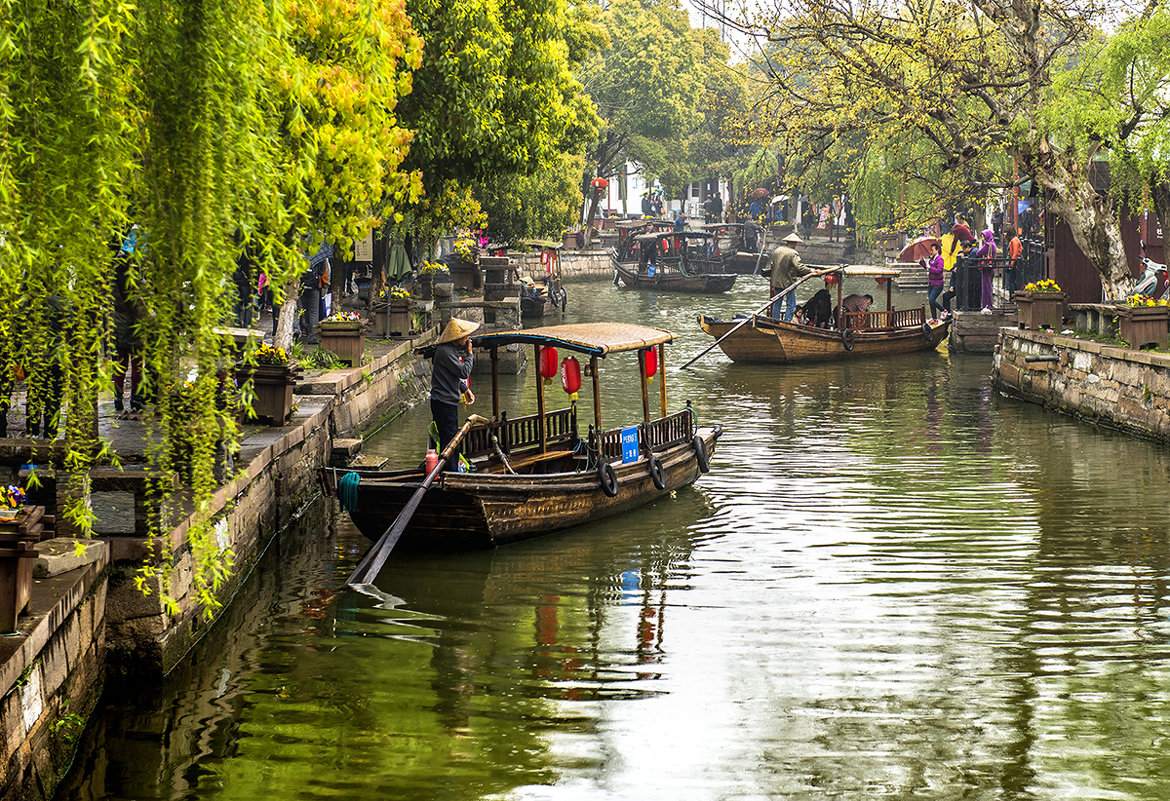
{"type": "Point", "coordinates": [671, 234]}
{"type": "Point", "coordinates": [595, 339]}
{"type": "Point", "coordinates": [861, 270]}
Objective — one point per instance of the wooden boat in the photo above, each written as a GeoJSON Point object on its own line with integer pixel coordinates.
{"type": "Point", "coordinates": [677, 261]}
{"type": "Point", "coordinates": [536, 474]}
{"type": "Point", "coordinates": [627, 249]}
{"type": "Point", "coordinates": [544, 293]}
{"type": "Point", "coordinates": [859, 335]}
{"type": "Point", "coordinates": [732, 246]}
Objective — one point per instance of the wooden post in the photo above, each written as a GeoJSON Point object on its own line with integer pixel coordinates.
{"type": "Point", "coordinates": [662, 375]}
{"type": "Point", "coordinates": [596, 394]}
{"type": "Point", "coordinates": [645, 388]}
{"type": "Point", "coordinates": [889, 294]}
{"type": "Point", "coordinates": [495, 383]}
{"type": "Point", "coordinates": [540, 401]}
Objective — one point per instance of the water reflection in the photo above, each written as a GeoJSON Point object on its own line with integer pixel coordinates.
{"type": "Point", "coordinates": [892, 583]}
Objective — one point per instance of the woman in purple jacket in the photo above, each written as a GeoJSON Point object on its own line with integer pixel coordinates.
{"type": "Point", "coordinates": [934, 270]}
{"type": "Point", "coordinates": [986, 253]}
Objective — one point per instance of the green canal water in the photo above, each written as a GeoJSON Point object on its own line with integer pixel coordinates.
{"type": "Point", "coordinates": [893, 583]}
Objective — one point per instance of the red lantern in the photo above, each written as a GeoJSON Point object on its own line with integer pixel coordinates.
{"type": "Point", "coordinates": [571, 376]}
{"type": "Point", "coordinates": [651, 361]}
{"type": "Point", "coordinates": [548, 362]}
{"type": "Point", "coordinates": [832, 279]}
{"type": "Point", "coordinates": [599, 183]}
{"type": "Point", "coordinates": [881, 279]}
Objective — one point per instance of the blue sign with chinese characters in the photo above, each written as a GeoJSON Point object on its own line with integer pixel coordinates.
{"type": "Point", "coordinates": [629, 445]}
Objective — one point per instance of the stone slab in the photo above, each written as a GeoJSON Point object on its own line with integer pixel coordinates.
{"type": "Point", "coordinates": [62, 554]}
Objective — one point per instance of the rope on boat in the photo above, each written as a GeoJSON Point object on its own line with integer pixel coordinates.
{"type": "Point", "coordinates": [347, 491]}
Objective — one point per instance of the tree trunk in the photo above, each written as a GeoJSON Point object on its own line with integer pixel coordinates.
{"type": "Point", "coordinates": [1160, 198]}
{"type": "Point", "coordinates": [1093, 222]}
{"type": "Point", "coordinates": [288, 316]}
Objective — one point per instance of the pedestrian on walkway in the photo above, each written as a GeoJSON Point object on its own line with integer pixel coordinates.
{"type": "Point", "coordinates": [986, 255]}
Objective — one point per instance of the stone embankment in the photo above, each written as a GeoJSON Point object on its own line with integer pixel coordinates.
{"type": "Point", "coordinates": [1116, 387]}
{"type": "Point", "coordinates": [86, 615]}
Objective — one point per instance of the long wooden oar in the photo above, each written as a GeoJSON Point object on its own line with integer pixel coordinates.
{"type": "Point", "coordinates": [371, 564]}
{"type": "Point", "coordinates": [748, 319]}
{"type": "Point", "coordinates": [763, 247]}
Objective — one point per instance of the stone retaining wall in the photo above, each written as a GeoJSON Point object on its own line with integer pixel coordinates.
{"type": "Point", "coordinates": [594, 263]}
{"type": "Point", "coordinates": [1115, 387]}
{"type": "Point", "coordinates": [277, 477]}
{"type": "Point", "coordinates": [51, 675]}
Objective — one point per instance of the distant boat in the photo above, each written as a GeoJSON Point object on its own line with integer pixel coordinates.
{"type": "Point", "coordinates": [678, 261]}
{"type": "Point", "coordinates": [860, 335]}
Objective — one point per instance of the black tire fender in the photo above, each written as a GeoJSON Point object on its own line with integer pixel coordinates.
{"type": "Point", "coordinates": [848, 339]}
{"type": "Point", "coordinates": [657, 474]}
{"type": "Point", "coordinates": [608, 478]}
{"type": "Point", "coordinates": [701, 455]}
{"type": "Point", "coordinates": [927, 332]}
{"type": "Point", "coordinates": [564, 299]}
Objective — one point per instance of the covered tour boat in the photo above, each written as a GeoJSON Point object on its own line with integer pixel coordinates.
{"type": "Point", "coordinates": [535, 474]}
{"type": "Point", "coordinates": [678, 261]}
{"type": "Point", "coordinates": [854, 335]}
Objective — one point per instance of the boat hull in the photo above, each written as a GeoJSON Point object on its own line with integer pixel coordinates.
{"type": "Point", "coordinates": [768, 341]}
{"type": "Point", "coordinates": [701, 283]}
{"type": "Point", "coordinates": [483, 510]}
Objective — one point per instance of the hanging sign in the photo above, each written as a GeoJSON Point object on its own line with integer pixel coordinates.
{"type": "Point", "coordinates": [629, 445]}
{"type": "Point", "coordinates": [363, 249]}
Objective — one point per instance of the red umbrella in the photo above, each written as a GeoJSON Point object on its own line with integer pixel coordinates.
{"type": "Point", "coordinates": [919, 248]}
{"type": "Point", "coordinates": [761, 192]}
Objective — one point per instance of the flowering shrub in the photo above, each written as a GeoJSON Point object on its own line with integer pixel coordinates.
{"type": "Point", "coordinates": [465, 249]}
{"type": "Point", "coordinates": [1145, 300]}
{"type": "Point", "coordinates": [1047, 285]}
{"type": "Point", "coordinates": [266, 354]}
{"type": "Point", "coordinates": [342, 317]}
{"type": "Point", "coordinates": [11, 497]}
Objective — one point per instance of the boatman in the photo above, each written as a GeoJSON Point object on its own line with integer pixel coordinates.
{"type": "Point", "coordinates": [787, 268]}
{"type": "Point", "coordinates": [450, 374]}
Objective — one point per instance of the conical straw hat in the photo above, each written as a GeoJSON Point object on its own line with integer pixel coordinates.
{"type": "Point", "coordinates": [792, 239]}
{"type": "Point", "coordinates": [457, 329]}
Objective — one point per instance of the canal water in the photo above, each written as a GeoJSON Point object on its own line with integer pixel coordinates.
{"type": "Point", "coordinates": [892, 583]}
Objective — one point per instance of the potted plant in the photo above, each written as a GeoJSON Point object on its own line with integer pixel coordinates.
{"type": "Point", "coordinates": [399, 320]}
{"type": "Point", "coordinates": [20, 530]}
{"type": "Point", "coordinates": [273, 376]}
{"type": "Point", "coordinates": [1143, 322]}
{"type": "Point", "coordinates": [465, 264]}
{"type": "Point", "coordinates": [1040, 305]}
{"type": "Point", "coordinates": [380, 308]}
{"type": "Point", "coordinates": [341, 335]}
{"type": "Point", "coordinates": [430, 274]}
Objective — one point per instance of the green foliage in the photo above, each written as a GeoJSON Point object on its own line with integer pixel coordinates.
{"type": "Point", "coordinates": [534, 206]}
{"type": "Point", "coordinates": [210, 126]}
{"type": "Point", "coordinates": [493, 96]}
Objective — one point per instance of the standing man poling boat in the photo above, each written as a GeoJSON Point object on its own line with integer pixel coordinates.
{"type": "Point", "coordinates": [450, 374]}
{"type": "Point", "coordinates": [787, 268]}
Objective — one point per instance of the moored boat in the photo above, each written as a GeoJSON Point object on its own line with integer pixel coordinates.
{"type": "Point", "coordinates": [677, 261]}
{"type": "Point", "coordinates": [535, 474]}
{"type": "Point", "coordinates": [544, 294]}
{"type": "Point", "coordinates": [855, 335]}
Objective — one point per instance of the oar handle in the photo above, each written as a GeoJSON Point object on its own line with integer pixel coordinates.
{"type": "Point", "coordinates": [371, 564]}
